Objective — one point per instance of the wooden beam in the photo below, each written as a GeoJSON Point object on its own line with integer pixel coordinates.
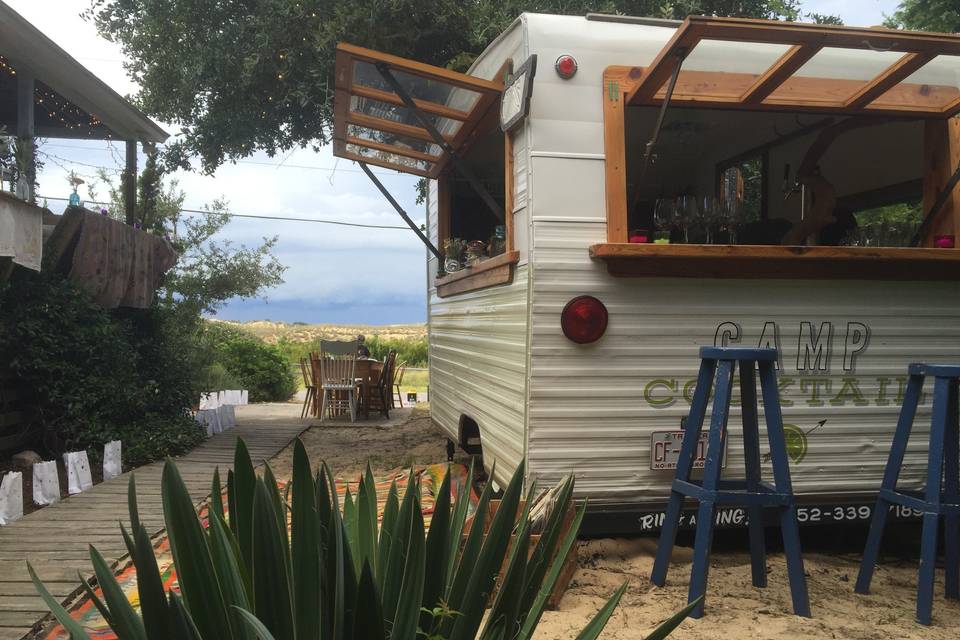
{"type": "Point", "coordinates": [615, 153]}
{"type": "Point", "coordinates": [339, 150]}
{"type": "Point", "coordinates": [428, 71]}
{"type": "Point", "coordinates": [786, 66]}
{"type": "Point", "coordinates": [389, 148]}
{"type": "Point", "coordinates": [26, 129]}
{"type": "Point", "coordinates": [672, 54]}
{"type": "Point", "coordinates": [775, 31]}
{"type": "Point", "coordinates": [775, 261]}
{"type": "Point", "coordinates": [892, 76]}
{"type": "Point", "coordinates": [941, 150]}
{"type": "Point", "coordinates": [130, 183]}
{"type": "Point", "coordinates": [391, 98]}
{"type": "Point", "coordinates": [397, 128]}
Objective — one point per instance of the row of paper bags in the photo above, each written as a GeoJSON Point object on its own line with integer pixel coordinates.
{"type": "Point", "coordinates": [46, 480]}
{"type": "Point", "coordinates": [216, 411]}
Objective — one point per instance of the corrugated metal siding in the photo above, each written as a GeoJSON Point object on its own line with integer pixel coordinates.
{"type": "Point", "coordinates": [478, 339]}
{"type": "Point", "coordinates": [478, 350]}
{"type": "Point", "coordinates": [588, 412]}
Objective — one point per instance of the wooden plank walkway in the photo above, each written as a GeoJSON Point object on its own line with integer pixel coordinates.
{"type": "Point", "coordinates": [56, 539]}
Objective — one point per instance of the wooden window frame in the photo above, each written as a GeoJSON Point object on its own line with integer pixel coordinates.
{"type": "Point", "coordinates": [498, 269]}
{"type": "Point", "coordinates": [941, 157]}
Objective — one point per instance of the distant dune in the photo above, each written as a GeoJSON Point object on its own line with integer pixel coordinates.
{"type": "Point", "coordinates": [271, 332]}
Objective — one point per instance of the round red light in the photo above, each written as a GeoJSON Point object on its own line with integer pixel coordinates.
{"type": "Point", "coordinates": [566, 67]}
{"type": "Point", "coordinates": [584, 319]}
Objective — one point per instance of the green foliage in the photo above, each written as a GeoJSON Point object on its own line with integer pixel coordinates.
{"type": "Point", "coordinates": [94, 375]}
{"type": "Point", "coordinates": [927, 15]}
{"type": "Point", "coordinates": [261, 368]}
{"type": "Point", "coordinates": [413, 351]}
{"type": "Point", "coordinates": [264, 71]}
{"type": "Point", "coordinates": [337, 575]}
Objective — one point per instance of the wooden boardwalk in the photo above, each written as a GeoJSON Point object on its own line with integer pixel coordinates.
{"type": "Point", "coordinates": [56, 539]}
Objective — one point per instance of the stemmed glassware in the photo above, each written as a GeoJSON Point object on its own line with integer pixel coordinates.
{"type": "Point", "coordinates": [664, 219]}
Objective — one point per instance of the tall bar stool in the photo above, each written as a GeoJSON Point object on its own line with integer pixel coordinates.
{"type": "Point", "coordinates": [941, 496]}
{"type": "Point", "coordinates": [752, 492]}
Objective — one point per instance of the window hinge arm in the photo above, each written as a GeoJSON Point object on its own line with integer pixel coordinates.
{"type": "Point", "coordinates": [403, 214]}
{"type": "Point", "coordinates": [438, 138]}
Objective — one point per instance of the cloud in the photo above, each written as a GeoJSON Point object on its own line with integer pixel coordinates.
{"type": "Point", "coordinates": [332, 271]}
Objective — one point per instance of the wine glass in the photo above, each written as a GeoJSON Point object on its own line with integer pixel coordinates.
{"type": "Point", "coordinates": [664, 218]}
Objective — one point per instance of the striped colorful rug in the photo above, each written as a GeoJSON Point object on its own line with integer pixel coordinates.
{"type": "Point", "coordinates": [86, 613]}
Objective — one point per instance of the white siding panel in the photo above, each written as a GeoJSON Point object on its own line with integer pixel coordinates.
{"type": "Point", "coordinates": [478, 349]}
{"type": "Point", "coordinates": [568, 187]}
{"type": "Point", "coordinates": [593, 408]}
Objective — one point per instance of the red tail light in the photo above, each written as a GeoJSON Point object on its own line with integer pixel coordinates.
{"type": "Point", "coordinates": [584, 319]}
{"type": "Point", "coordinates": [566, 66]}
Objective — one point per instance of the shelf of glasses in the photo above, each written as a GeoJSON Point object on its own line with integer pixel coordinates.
{"type": "Point", "coordinates": [775, 261]}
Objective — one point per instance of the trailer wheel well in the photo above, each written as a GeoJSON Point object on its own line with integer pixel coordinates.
{"type": "Point", "coordinates": [469, 436]}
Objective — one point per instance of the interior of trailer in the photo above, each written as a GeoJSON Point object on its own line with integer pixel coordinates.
{"type": "Point", "coordinates": [751, 160]}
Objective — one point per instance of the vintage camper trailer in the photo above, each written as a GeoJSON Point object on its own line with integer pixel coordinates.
{"type": "Point", "coordinates": [632, 189]}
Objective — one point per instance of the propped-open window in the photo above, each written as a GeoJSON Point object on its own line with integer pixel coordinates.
{"type": "Point", "coordinates": [431, 122]}
{"type": "Point", "coordinates": [373, 124]}
{"type": "Point", "coordinates": [837, 124]}
{"type": "Point", "coordinates": [763, 64]}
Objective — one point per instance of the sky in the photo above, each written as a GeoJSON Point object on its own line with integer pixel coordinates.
{"type": "Point", "coordinates": [335, 274]}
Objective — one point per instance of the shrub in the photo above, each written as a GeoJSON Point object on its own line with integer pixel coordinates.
{"type": "Point", "coordinates": [94, 375]}
{"type": "Point", "coordinates": [412, 351]}
{"type": "Point", "coordinates": [329, 574]}
{"type": "Point", "coordinates": [257, 366]}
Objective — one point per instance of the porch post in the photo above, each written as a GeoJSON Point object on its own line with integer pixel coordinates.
{"type": "Point", "coordinates": [941, 157]}
{"type": "Point", "coordinates": [130, 182]}
{"type": "Point", "coordinates": [25, 126]}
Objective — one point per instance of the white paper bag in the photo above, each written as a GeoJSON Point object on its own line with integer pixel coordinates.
{"type": "Point", "coordinates": [228, 418]}
{"type": "Point", "coordinates": [244, 396]}
{"type": "Point", "coordinates": [11, 498]}
{"type": "Point", "coordinates": [112, 465]}
{"type": "Point", "coordinates": [78, 472]}
{"type": "Point", "coordinates": [210, 418]}
{"type": "Point", "coordinates": [208, 401]}
{"type": "Point", "coordinates": [46, 483]}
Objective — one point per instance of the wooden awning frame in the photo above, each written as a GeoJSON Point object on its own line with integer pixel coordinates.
{"type": "Point", "coordinates": [347, 55]}
{"type": "Point", "coordinates": [722, 89]}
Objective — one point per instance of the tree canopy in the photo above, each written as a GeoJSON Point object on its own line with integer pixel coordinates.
{"type": "Point", "coordinates": [927, 15]}
{"type": "Point", "coordinates": [240, 76]}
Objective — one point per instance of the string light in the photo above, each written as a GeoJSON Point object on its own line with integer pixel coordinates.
{"type": "Point", "coordinates": [60, 110]}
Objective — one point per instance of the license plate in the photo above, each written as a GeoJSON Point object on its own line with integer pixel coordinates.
{"type": "Point", "coordinates": [665, 449]}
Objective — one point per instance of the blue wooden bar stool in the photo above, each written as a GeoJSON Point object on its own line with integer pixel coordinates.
{"type": "Point", "coordinates": [941, 495]}
{"type": "Point", "coordinates": [752, 492]}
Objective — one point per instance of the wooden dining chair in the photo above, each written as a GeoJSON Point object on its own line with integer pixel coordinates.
{"type": "Point", "coordinates": [307, 371]}
{"type": "Point", "coordinates": [395, 386]}
{"type": "Point", "coordinates": [381, 394]}
{"type": "Point", "coordinates": [338, 384]}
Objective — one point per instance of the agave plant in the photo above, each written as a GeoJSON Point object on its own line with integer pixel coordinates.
{"type": "Point", "coordinates": [289, 565]}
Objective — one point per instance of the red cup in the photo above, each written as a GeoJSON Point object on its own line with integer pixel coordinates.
{"type": "Point", "coordinates": [944, 241]}
{"type": "Point", "coordinates": [639, 236]}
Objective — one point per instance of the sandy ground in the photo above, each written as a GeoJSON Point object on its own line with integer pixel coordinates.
{"type": "Point", "coordinates": [735, 609]}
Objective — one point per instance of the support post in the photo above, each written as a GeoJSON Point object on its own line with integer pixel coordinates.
{"type": "Point", "coordinates": [25, 127]}
{"type": "Point", "coordinates": [941, 157]}
{"type": "Point", "coordinates": [399, 209]}
{"type": "Point", "coordinates": [130, 182]}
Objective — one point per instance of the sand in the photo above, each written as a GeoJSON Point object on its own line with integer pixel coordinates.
{"type": "Point", "coordinates": [735, 609]}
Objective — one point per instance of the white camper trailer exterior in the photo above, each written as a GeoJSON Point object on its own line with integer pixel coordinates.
{"type": "Point", "coordinates": [502, 370]}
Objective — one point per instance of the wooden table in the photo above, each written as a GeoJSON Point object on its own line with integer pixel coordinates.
{"type": "Point", "coordinates": [367, 370]}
